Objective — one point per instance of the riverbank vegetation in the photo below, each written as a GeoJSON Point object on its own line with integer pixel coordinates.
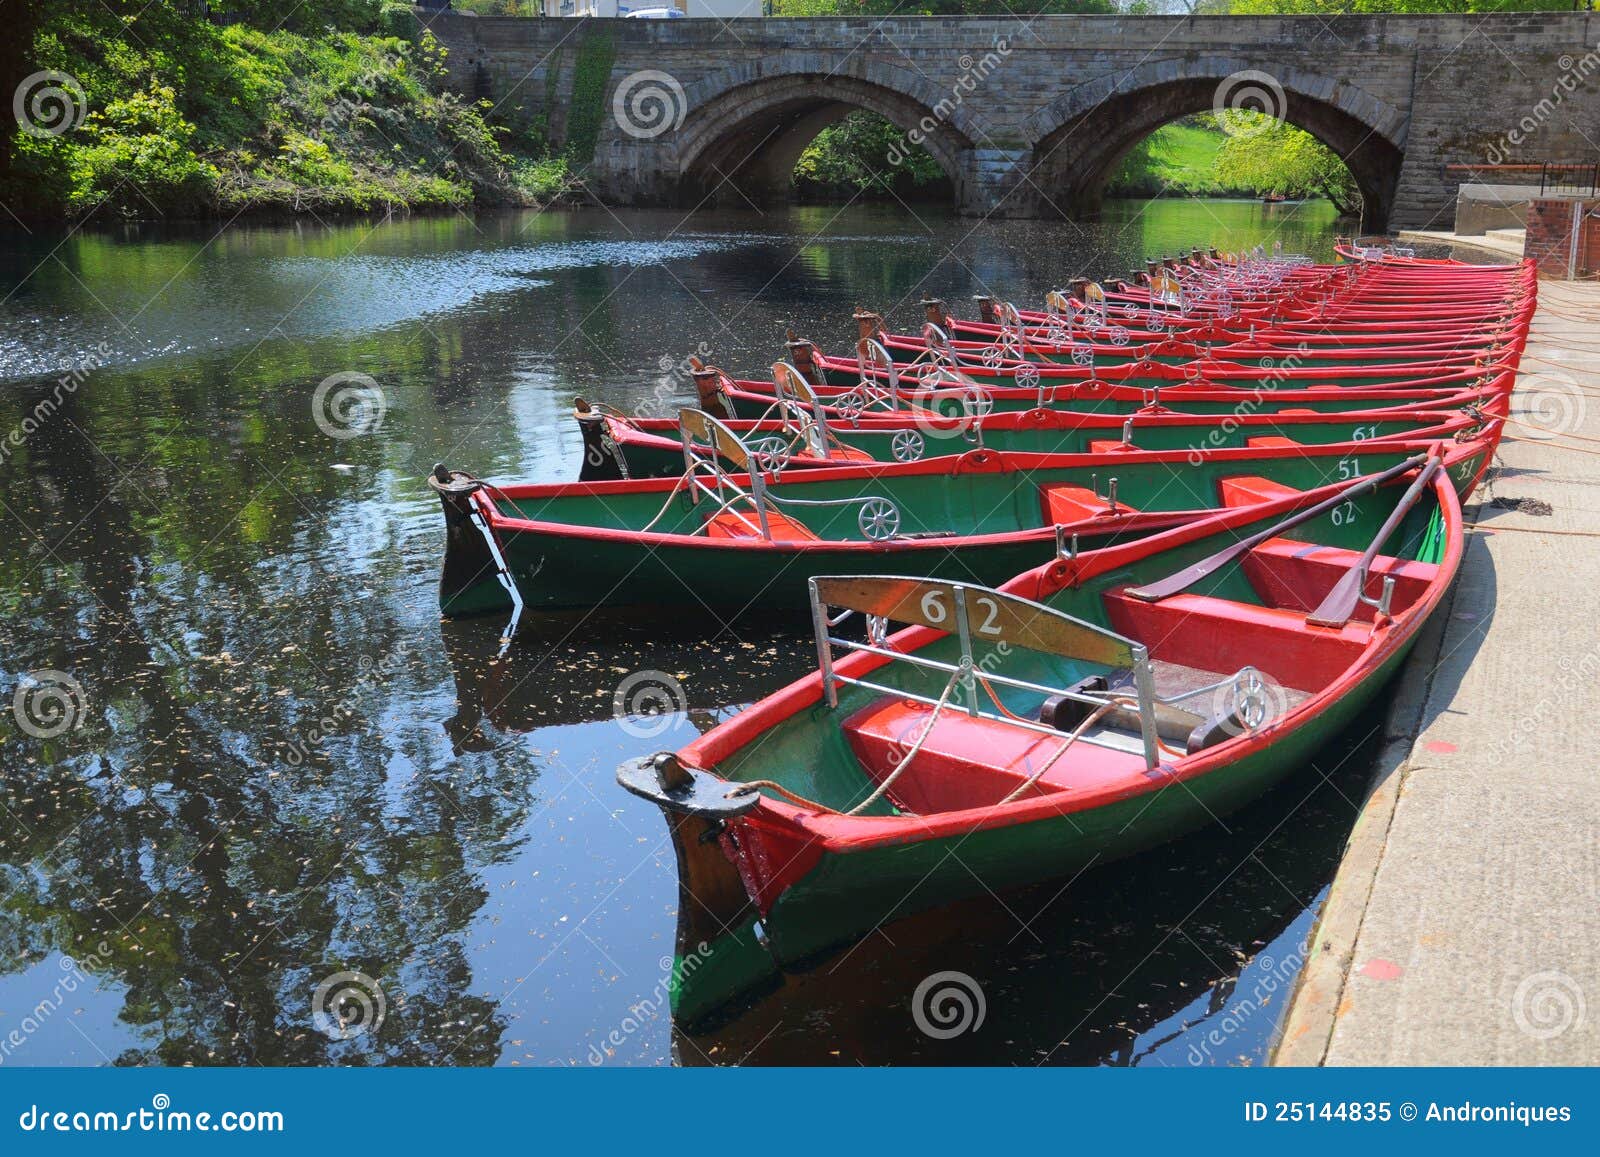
{"type": "Point", "coordinates": [328, 106]}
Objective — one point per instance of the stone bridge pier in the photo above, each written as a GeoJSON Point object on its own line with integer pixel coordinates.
{"type": "Point", "coordinates": [1028, 118]}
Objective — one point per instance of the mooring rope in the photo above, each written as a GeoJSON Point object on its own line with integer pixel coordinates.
{"type": "Point", "coordinates": [905, 761]}
{"type": "Point", "coordinates": [1534, 530]}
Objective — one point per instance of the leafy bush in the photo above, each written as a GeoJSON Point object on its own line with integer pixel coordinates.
{"type": "Point", "coordinates": [135, 148]}
{"type": "Point", "coordinates": [187, 118]}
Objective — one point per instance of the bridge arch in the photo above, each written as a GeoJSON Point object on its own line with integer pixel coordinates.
{"type": "Point", "coordinates": [746, 126]}
{"type": "Point", "coordinates": [1082, 134]}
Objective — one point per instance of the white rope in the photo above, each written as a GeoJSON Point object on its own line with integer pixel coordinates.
{"type": "Point", "coordinates": [1089, 721]}
{"type": "Point", "coordinates": [927, 730]}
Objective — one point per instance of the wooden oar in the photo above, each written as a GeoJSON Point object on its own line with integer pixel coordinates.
{"type": "Point", "coordinates": [1335, 610]}
{"type": "Point", "coordinates": [1192, 574]}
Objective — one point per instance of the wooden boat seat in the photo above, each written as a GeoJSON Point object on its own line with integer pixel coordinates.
{"type": "Point", "coordinates": [971, 762]}
{"type": "Point", "coordinates": [1110, 446]}
{"type": "Point", "coordinates": [1270, 442]}
{"type": "Point", "coordinates": [1065, 503]}
{"type": "Point", "coordinates": [1249, 489]}
{"type": "Point", "coordinates": [1297, 576]}
{"type": "Point", "coordinates": [783, 528]}
{"type": "Point", "coordinates": [1223, 634]}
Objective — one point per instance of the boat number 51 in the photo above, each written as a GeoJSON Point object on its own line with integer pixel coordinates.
{"type": "Point", "coordinates": [935, 612]}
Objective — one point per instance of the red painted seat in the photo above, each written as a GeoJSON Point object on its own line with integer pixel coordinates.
{"type": "Point", "coordinates": [971, 762]}
{"type": "Point", "coordinates": [1270, 442]}
{"type": "Point", "coordinates": [1064, 503]}
{"type": "Point", "coordinates": [1297, 576]}
{"type": "Point", "coordinates": [1225, 635]}
{"type": "Point", "coordinates": [1249, 489]}
{"type": "Point", "coordinates": [745, 524]}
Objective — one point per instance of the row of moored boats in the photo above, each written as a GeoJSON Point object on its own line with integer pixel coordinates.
{"type": "Point", "coordinates": [1082, 577]}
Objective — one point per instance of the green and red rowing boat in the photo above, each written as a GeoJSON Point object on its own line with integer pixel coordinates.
{"type": "Point", "coordinates": [887, 394]}
{"type": "Point", "coordinates": [800, 436]}
{"type": "Point", "coordinates": [1088, 709]}
{"type": "Point", "coordinates": [748, 541]}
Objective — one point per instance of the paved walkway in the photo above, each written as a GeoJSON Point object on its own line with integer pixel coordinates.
{"type": "Point", "coordinates": [1464, 925]}
{"type": "Point", "coordinates": [1506, 243]}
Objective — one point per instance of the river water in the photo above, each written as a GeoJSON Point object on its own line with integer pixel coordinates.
{"type": "Point", "coordinates": [243, 757]}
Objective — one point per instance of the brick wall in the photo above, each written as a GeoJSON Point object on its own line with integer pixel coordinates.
{"type": "Point", "coordinates": [1550, 236]}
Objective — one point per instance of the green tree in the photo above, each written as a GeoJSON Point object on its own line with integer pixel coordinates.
{"type": "Point", "coordinates": [868, 153]}
{"type": "Point", "coordinates": [1272, 157]}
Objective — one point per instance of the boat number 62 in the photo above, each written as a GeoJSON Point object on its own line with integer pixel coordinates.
{"type": "Point", "coordinates": [1345, 513]}
{"type": "Point", "coordinates": [935, 612]}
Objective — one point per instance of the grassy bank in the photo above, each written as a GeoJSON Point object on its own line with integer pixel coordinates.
{"type": "Point", "coordinates": [178, 117]}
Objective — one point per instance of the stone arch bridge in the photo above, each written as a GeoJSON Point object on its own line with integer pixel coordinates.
{"type": "Point", "coordinates": [1029, 117]}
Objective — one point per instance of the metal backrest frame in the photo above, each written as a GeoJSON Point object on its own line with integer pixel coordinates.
{"type": "Point", "coordinates": [970, 613]}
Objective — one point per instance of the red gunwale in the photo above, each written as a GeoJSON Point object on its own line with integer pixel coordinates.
{"type": "Point", "coordinates": [1464, 342]}
{"type": "Point", "coordinates": [1443, 386]}
{"type": "Point", "coordinates": [844, 834]}
{"type": "Point", "coordinates": [662, 432]}
{"type": "Point", "coordinates": [1195, 373]}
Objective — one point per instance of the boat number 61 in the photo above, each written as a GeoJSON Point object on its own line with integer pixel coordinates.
{"type": "Point", "coordinates": [935, 612]}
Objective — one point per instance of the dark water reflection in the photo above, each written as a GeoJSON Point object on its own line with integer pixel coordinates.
{"type": "Point", "coordinates": [284, 767]}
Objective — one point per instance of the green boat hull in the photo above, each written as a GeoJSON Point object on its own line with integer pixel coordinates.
{"type": "Point", "coordinates": [650, 461]}
{"type": "Point", "coordinates": [558, 562]}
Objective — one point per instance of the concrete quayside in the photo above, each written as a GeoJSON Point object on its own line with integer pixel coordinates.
{"type": "Point", "coordinates": [1463, 926]}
